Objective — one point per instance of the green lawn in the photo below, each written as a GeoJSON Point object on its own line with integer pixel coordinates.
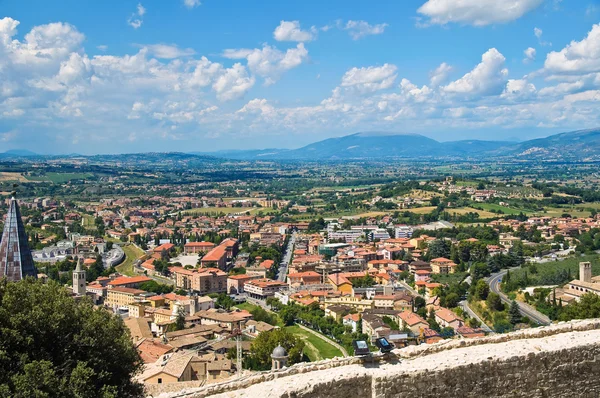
{"type": "Point", "coordinates": [132, 253]}
{"type": "Point", "coordinates": [450, 278]}
{"type": "Point", "coordinates": [504, 209]}
{"type": "Point", "coordinates": [88, 221]}
{"type": "Point", "coordinates": [60, 178]}
{"type": "Point", "coordinates": [316, 348]}
{"type": "Point", "coordinates": [246, 306]}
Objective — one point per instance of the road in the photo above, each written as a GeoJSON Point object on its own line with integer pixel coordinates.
{"type": "Point", "coordinates": [526, 309]}
{"type": "Point", "coordinates": [287, 258]}
{"type": "Point", "coordinates": [465, 306]}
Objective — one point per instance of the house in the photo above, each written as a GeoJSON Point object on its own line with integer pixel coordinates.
{"type": "Point", "coordinates": [304, 278]}
{"type": "Point", "coordinates": [352, 321]}
{"type": "Point", "coordinates": [413, 322]}
{"type": "Point", "coordinates": [216, 258]}
{"type": "Point", "coordinates": [446, 318]}
{"type": "Point", "coordinates": [198, 247]}
{"type": "Point", "coordinates": [337, 312]}
{"type": "Point", "coordinates": [442, 265]}
{"type": "Point", "coordinates": [263, 288]}
{"type": "Point", "coordinates": [236, 283]}
{"type": "Point", "coordinates": [122, 296]}
{"type": "Point", "coordinates": [163, 251]}
{"type": "Point", "coordinates": [202, 280]}
{"type": "Point", "coordinates": [130, 282]}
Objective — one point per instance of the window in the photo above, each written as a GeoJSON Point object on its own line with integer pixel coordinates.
{"type": "Point", "coordinates": [159, 380]}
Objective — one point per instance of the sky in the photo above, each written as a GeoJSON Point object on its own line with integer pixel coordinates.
{"type": "Point", "coordinates": [120, 76]}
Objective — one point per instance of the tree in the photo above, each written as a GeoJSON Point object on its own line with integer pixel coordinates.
{"type": "Point", "coordinates": [180, 320]}
{"type": "Point", "coordinates": [514, 315]}
{"type": "Point", "coordinates": [452, 300]}
{"type": "Point", "coordinates": [259, 357]}
{"type": "Point", "coordinates": [439, 248]}
{"type": "Point", "coordinates": [494, 302]}
{"type": "Point", "coordinates": [482, 290]}
{"type": "Point", "coordinates": [54, 346]}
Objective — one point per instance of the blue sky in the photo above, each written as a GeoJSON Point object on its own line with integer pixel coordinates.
{"type": "Point", "coordinates": [188, 75]}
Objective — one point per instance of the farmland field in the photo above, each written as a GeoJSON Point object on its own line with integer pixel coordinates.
{"type": "Point", "coordinates": [60, 178]}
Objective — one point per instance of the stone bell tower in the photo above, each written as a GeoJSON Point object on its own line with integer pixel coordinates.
{"type": "Point", "coordinates": [79, 283]}
{"type": "Point", "coordinates": [585, 272]}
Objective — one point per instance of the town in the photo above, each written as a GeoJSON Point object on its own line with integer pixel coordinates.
{"type": "Point", "coordinates": [212, 287]}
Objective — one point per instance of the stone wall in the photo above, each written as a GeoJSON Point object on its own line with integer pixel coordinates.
{"type": "Point", "coordinates": [556, 361]}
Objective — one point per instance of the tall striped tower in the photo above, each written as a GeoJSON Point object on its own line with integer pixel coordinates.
{"type": "Point", "coordinates": [16, 261]}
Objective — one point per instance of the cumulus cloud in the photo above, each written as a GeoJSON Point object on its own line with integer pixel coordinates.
{"type": "Point", "coordinates": [370, 79]}
{"type": "Point", "coordinates": [476, 12]}
{"type": "Point", "coordinates": [136, 19]}
{"type": "Point", "coordinates": [487, 78]}
{"type": "Point", "coordinates": [440, 74]}
{"type": "Point", "coordinates": [529, 55]}
{"type": "Point", "coordinates": [291, 31]}
{"type": "Point", "coordinates": [578, 56]}
{"type": "Point", "coordinates": [169, 51]}
{"type": "Point", "coordinates": [518, 89]}
{"type": "Point", "coordinates": [269, 62]}
{"type": "Point", "coordinates": [234, 83]}
{"type": "Point", "coordinates": [191, 3]}
{"type": "Point", "coordinates": [360, 29]}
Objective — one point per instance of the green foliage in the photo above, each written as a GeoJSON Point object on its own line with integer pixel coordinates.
{"type": "Point", "coordinates": [514, 315]}
{"type": "Point", "coordinates": [482, 289]}
{"type": "Point", "coordinates": [494, 302]}
{"type": "Point", "coordinates": [365, 281]}
{"type": "Point", "coordinates": [222, 300]}
{"type": "Point", "coordinates": [259, 357]}
{"type": "Point", "coordinates": [54, 346]}
{"type": "Point", "coordinates": [391, 323]}
{"type": "Point", "coordinates": [155, 287]}
{"type": "Point", "coordinates": [587, 307]}
{"type": "Point", "coordinates": [261, 315]}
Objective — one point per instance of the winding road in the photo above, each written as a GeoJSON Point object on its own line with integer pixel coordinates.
{"type": "Point", "coordinates": [526, 310]}
{"type": "Point", "coordinates": [465, 306]}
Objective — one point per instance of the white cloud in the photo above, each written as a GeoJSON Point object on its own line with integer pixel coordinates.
{"type": "Point", "coordinates": [269, 62]}
{"type": "Point", "coordinates": [529, 55]}
{"type": "Point", "coordinates": [538, 32]}
{"type": "Point", "coordinates": [577, 57]}
{"type": "Point", "coordinates": [476, 12]}
{"type": "Point", "coordinates": [291, 31]}
{"type": "Point", "coordinates": [169, 51]}
{"type": "Point", "coordinates": [370, 79]}
{"type": "Point", "coordinates": [487, 78]}
{"type": "Point", "coordinates": [136, 19]}
{"type": "Point", "coordinates": [234, 83]}
{"type": "Point", "coordinates": [102, 47]}
{"type": "Point", "coordinates": [191, 3]}
{"type": "Point", "coordinates": [440, 74]}
{"type": "Point", "coordinates": [518, 89]}
{"type": "Point", "coordinates": [360, 29]}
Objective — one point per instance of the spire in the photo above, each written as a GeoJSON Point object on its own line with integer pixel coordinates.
{"type": "Point", "coordinates": [78, 267]}
{"type": "Point", "coordinates": [16, 261]}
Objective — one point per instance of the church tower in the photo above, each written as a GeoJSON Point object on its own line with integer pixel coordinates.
{"type": "Point", "coordinates": [79, 287]}
{"type": "Point", "coordinates": [585, 272]}
{"type": "Point", "coordinates": [16, 261]}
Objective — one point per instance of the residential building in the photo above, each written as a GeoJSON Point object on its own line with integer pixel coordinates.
{"type": "Point", "coordinates": [201, 280]}
{"type": "Point", "coordinates": [263, 288]}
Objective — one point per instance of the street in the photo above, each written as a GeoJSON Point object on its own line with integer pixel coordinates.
{"type": "Point", "coordinates": [465, 306]}
{"type": "Point", "coordinates": [526, 310]}
{"type": "Point", "coordinates": [287, 258]}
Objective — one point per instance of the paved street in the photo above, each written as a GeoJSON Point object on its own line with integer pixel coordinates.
{"type": "Point", "coordinates": [526, 310]}
{"type": "Point", "coordinates": [287, 258]}
{"type": "Point", "coordinates": [465, 306]}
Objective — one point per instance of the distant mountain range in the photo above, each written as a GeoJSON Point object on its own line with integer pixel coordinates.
{"type": "Point", "coordinates": [17, 153]}
{"type": "Point", "coordinates": [571, 146]}
{"type": "Point", "coordinates": [576, 145]}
